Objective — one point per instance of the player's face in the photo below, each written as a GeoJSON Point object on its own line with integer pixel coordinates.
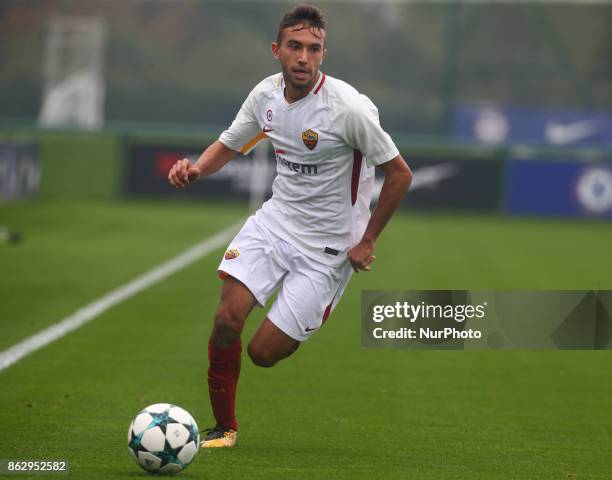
{"type": "Point", "coordinates": [300, 53]}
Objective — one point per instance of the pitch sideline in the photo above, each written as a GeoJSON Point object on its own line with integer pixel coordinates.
{"type": "Point", "coordinates": [89, 312]}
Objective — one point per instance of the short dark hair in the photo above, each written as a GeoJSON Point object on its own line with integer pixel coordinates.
{"type": "Point", "coordinates": [307, 15]}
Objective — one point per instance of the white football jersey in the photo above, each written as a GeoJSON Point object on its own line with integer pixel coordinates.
{"type": "Point", "coordinates": [321, 194]}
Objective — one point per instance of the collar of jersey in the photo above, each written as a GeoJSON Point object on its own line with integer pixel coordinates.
{"type": "Point", "coordinates": [312, 93]}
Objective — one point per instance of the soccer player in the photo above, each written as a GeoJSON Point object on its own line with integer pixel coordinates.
{"type": "Point", "coordinates": [316, 229]}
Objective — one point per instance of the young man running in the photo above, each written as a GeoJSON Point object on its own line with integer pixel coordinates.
{"type": "Point", "coordinates": [316, 229]}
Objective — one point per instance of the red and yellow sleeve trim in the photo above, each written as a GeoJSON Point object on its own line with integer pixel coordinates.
{"type": "Point", "coordinates": [252, 142]}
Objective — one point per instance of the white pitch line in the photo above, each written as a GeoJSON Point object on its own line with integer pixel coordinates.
{"type": "Point", "coordinates": [104, 303]}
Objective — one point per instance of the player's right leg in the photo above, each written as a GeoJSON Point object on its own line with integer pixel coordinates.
{"type": "Point", "coordinates": [250, 276]}
{"type": "Point", "coordinates": [237, 301]}
{"type": "Point", "coordinates": [224, 349]}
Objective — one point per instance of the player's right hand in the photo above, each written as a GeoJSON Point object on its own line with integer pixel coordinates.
{"type": "Point", "coordinates": [183, 173]}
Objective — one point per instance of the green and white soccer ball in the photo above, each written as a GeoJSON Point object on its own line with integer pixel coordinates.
{"type": "Point", "coordinates": [163, 438]}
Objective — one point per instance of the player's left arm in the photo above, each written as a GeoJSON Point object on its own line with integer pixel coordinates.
{"type": "Point", "coordinates": [398, 177]}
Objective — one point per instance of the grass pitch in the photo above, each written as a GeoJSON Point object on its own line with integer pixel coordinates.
{"type": "Point", "coordinates": [333, 410]}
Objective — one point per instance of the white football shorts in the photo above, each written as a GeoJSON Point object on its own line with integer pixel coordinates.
{"type": "Point", "coordinates": [309, 290]}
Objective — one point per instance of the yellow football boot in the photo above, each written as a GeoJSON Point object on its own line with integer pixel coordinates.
{"type": "Point", "coordinates": [219, 437]}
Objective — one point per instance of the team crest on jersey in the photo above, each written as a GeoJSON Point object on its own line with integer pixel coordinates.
{"type": "Point", "coordinates": [231, 254]}
{"type": "Point", "coordinates": [310, 138]}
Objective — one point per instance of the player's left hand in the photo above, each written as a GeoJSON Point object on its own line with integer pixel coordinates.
{"type": "Point", "coordinates": [360, 256]}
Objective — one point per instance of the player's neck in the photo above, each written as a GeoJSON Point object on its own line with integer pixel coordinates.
{"type": "Point", "coordinates": [293, 94]}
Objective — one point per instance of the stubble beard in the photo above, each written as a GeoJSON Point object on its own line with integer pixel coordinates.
{"type": "Point", "coordinates": [299, 86]}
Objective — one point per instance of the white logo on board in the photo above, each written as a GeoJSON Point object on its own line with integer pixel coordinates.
{"type": "Point", "coordinates": [594, 190]}
{"type": "Point", "coordinates": [491, 127]}
{"type": "Point", "coordinates": [565, 133]}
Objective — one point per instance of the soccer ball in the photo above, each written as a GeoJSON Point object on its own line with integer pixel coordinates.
{"type": "Point", "coordinates": [163, 438]}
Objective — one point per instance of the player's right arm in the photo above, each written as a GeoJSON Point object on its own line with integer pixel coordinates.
{"type": "Point", "coordinates": [240, 137]}
{"type": "Point", "coordinates": [183, 172]}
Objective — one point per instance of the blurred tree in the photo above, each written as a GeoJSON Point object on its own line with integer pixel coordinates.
{"type": "Point", "coordinates": [194, 62]}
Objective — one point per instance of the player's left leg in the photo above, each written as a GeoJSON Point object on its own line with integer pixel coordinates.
{"type": "Point", "coordinates": [308, 294]}
{"type": "Point", "coordinates": [270, 344]}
